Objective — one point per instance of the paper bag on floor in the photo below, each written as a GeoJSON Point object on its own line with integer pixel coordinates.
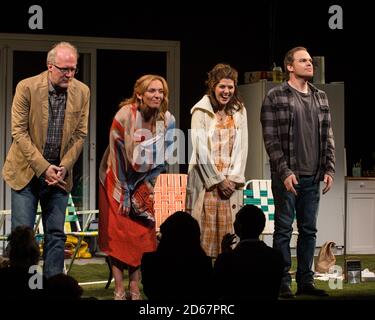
{"type": "Point", "coordinates": [326, 258]}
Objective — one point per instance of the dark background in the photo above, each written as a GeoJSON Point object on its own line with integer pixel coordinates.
{"type": "Point", "coordinates": [250, 36]}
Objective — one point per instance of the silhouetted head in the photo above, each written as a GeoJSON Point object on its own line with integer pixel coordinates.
{"type": "Point", "coordinates": [250, 222]}
{"type": "Point", "coordinates": [23, 248]}
{"type": "Point", "coordinates": [62, 286]}
{"type": "Point", "coordinates": [180, 231]}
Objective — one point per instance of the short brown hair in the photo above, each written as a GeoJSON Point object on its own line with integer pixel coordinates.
{"type": "Point", "coordinates": [289, 57]}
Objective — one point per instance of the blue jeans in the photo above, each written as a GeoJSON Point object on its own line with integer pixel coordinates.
{"type": "Point", "coordinates": [53, 202]}
{"type": "Point", "coordinates": [305, 207]}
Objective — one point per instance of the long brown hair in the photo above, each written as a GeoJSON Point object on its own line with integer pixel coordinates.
{"type": "Point", "coordinates": [219, 72]}
{"type": "Point", "coordinates": [141, 86]}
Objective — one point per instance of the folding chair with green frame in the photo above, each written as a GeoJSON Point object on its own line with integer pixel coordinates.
{"type": "Point", "coordinates": [72, 217]}
{"type": "Point", "coordinates": [73, 227]}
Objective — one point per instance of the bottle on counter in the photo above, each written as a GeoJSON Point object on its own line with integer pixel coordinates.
{"type": "Point", "coordinates": [357, 169]}
{"type": "Point", "coordinates": [277, 74]}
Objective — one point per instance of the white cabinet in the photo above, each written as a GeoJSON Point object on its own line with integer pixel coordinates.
{"type": "Point", "coordinates": [331, 209]}
{"type": "Point", "coordinates": [360, 216]}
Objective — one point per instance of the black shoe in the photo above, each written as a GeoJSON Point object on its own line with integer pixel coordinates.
{"type": "Point", "coordinates": [285, 292]}
{"type": "Point", "coordinates": [310, 290]}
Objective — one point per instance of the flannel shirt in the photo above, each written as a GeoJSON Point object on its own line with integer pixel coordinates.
{"type": "Point", "coordinates": [277, 123]}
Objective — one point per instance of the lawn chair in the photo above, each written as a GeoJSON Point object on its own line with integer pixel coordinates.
{"type": "Point", "coordinates": [169, 197]}
{"type": "Point", "coordinates": [3, 222]}
{"type": "Point", "coordinates": [5, 231]}
{"type": "Point", "coordinates": [3, 216]}
{"type": "Point", "coordinates": [259, 193]}
{"type": "Point", "coordinates": [72, 227]}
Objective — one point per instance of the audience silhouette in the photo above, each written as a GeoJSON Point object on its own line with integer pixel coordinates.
{"type": "Point", "coordinates": [18, 280]}
{"type": "Point", "coordinates": [179, 270]}
{"type": "Point", "coordinates": [63, 287]}
{"type": "Point", "coordinates": [252, 270]}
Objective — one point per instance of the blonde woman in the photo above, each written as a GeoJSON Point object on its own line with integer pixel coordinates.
{"type": "Point", "coordinates": [128, 171]}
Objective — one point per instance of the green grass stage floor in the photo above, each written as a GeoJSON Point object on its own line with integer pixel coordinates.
{"type": "Point", "coordinates": [361, 291]}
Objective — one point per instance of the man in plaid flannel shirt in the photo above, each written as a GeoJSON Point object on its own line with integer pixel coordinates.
{"type": "Point", "coordinates": [299, 140]}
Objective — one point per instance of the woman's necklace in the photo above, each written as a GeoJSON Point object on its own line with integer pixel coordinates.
{"type": "Point", "coordinates": [221, 115]}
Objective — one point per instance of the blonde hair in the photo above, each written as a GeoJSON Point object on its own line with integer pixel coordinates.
{"type": "Point", "coordinates": [140, 88]}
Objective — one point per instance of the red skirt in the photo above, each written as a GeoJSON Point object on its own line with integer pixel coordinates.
{"type": "Point", "coordinates": [119, 236]}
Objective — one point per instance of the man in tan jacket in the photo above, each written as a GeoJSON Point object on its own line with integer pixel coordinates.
{"type": "Point", "coordinates": [49, 124]}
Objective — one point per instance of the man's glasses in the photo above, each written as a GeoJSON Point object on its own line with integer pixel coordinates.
{"type": "Point", "coordinates": [66, 70]}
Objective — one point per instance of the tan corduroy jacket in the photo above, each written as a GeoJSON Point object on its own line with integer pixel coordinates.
{"type": "Point", "coordinates": [29, 130]}
{"type": "Point", "coordinates": [203, 174]}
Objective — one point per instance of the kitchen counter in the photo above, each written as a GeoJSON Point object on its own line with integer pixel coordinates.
{"type": "Point", "coordinates": [360, 178]}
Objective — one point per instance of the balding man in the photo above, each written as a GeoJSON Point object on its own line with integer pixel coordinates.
{"type": "Point", "coordinates": [49, 124]}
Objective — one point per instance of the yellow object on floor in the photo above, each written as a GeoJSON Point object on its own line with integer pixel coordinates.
{"type": "Point", "coordinates": [71, 243]}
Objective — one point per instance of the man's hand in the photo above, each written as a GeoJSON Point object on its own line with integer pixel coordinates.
{"type": "Point", "coordinates": [290, 182]}
{"type": "Point", "coordinates": [62, 173]}
{"type": "Point", "coordinates": [226, 243]}
{"type": "Point", "coordinates": [54, 176]}
{"type": "Point", "coordinates": [328, 181]}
